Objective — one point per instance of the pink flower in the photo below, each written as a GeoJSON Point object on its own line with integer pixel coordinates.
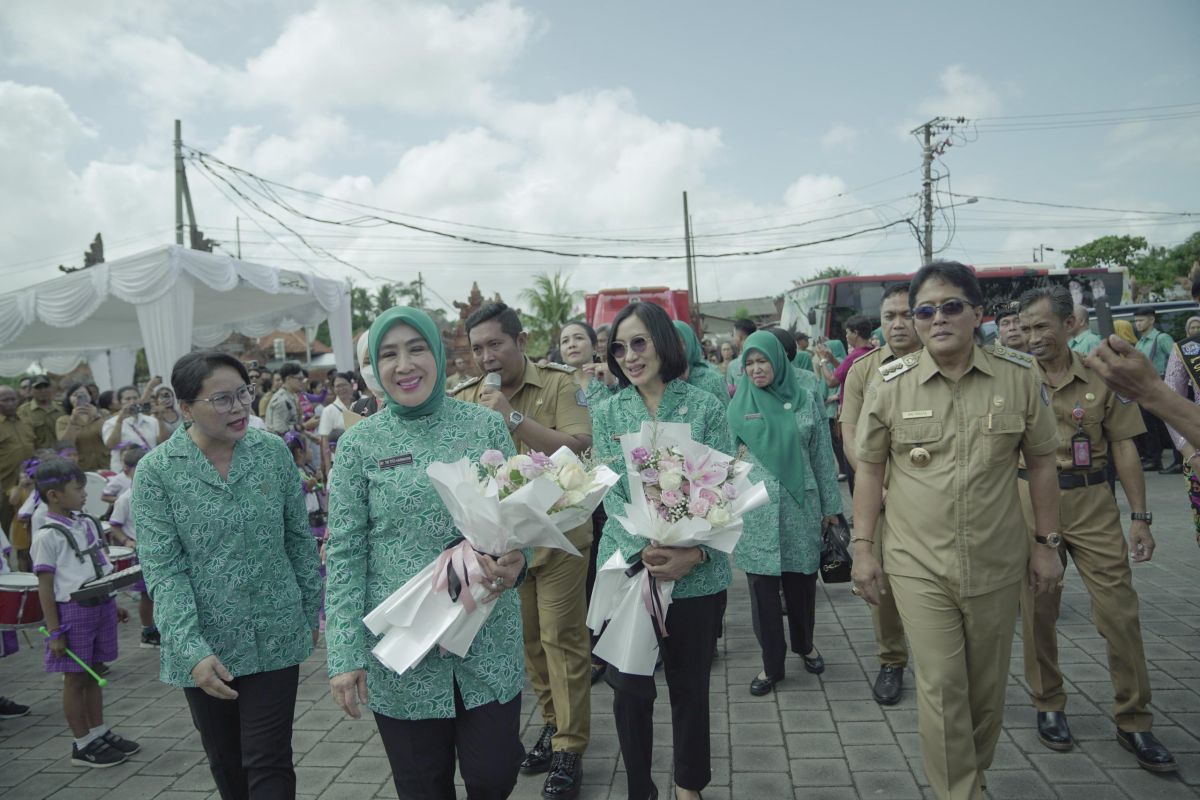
{"type": "Point", "coordinates": [492, 458]}
{"type": "Point", "coordinates": [671, 499]}
{"type": "Point", "coordinates": [730, 491]}
{"type": "Point", "coordinates": [698, 507]}
{"type": "Point", "coordinates": [531, 470]}
{"type": "Point", "coordinates": [503, 481]}
{"type": "Point", "coordinates": [709, 495]}
{"type": "Point", "coordinates": [649, 476]}
{"type": "Point", "coordinates": [668, 462]}
{"type": "Point", "coordinates": [541, 459]}
{"type": "Point", "coordinates": [640, 455]}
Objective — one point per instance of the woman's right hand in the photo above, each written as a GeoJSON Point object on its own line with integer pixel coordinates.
{"type": "Point", "coordinates": [348, 690]}
{"type": "Point", "coordinates": [211, 676]}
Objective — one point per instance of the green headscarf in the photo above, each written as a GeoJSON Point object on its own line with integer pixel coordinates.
{"type": "Point", "coordinates": [695, 353]}
{"type": "Point", "coordinates": [765, 419]}
{"type": "Point", "coordinates": [803, 360]}
{"type": "Point", "coordinates": [420, 321]}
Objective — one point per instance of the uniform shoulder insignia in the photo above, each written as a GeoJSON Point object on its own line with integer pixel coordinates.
{"type": "Point", "coordinates": [897, 367]}
{"type": "Point", "coordinates": [559, 367]}
{"type": "Point", "coordinates": [468, 382]}
{"type": "Point", "coordinates": [1012, 356]}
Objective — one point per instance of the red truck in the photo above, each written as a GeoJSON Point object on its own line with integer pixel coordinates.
{"type": "Point", "coordinates": [602, 307]}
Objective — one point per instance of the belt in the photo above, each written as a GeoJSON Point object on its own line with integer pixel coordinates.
{"type": "Point", "coordinates": [1073, 480]}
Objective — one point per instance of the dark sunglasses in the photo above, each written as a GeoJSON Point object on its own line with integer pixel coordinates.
{"type": "Point", "coordinates": [950, 308]}
{"type": "Point", "coordinates": [637, 344]}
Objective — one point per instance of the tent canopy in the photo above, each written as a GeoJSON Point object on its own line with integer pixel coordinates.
{"type": "Point", "coordinates": [167, 300]}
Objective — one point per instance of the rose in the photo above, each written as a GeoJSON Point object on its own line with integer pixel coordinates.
{"type": "Point", "coordinates": [649, 476]}
{"type": "Point", "coordinates": [718, 517]}
{"type": "Point", "coordinates": [575, 497]}
{"type": "Point", "coordinates": [710, 496]}
{"type": "Point", "coordinates": [730, 491]}
{"type": "Point", "coordinates": [541, 459]}
{"type": "Point", "coordinates": [492, 458]}
{"type": "Point", "coordinates": [640, 455]}
{"type": "Point", "coordinates": [668, 462]}
{"type": "Point", "coordinates": [698, 507]}
{"type": "Point", "coordinates": [671, 498]}
{"type": "Point", "coordinates": [670, 480]}
{"type": "Point", "coordinates": [573, 476]}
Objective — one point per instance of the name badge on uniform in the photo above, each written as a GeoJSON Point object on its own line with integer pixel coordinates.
{"type": "Point", "coordinates": [917, 414]}
{"type": "Point", "coordinates": [754, 416]}
{"type": "Point", "coordinates": [402, 460]}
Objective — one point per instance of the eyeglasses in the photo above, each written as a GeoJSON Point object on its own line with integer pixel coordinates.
{"type": "Point", "coordinates": [638, 344]}
{"type": "Point", "coordinates": [223, 402]}
{"type": "Point", "coordinates": [951, 308]}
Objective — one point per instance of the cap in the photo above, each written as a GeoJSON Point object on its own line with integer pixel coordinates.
{"type": "Point", "coordinates": [40, 380]}
{"type": "Point", "coordinates": [802, 335]}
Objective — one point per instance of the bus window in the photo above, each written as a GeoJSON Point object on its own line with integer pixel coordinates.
{"type": "Point", "coordinates": [799, 302]}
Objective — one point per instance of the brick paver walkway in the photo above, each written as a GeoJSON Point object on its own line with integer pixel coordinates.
{"type": "Point", "coordinates": [816, 738]}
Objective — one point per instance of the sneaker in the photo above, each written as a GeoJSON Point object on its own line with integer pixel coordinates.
{"type": "Point", "coordinates": [120, 743]}
{"type": "Point", "coordinates": [10, 709]}
{"type": "Point", "coordinates": [98, 753]}
{"type": "Point", "coordinates": [100, 668]}
{"type": "Point", "coordinates": [151, 639]}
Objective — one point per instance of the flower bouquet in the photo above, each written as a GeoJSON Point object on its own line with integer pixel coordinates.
{"type": "Point", "coordinates": [681, 494]}
{"type": "Point", "coordinates": [498, 505]}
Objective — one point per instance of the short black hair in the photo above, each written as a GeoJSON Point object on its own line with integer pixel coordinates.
{"type": "Point", "coordinates": [68, 406]}
{"type": "Point", "coordinates": [663, 334]}
{"type": "Point", "coordinates": [130, 456]}
{"type": "Point", "coordinates": [1195, 289]}
{"type": "Point", "coordinates": [190, 372]}
{"type": "Point", "coordinates": [588, 329]}
{"type": "Point", "coordinates": [1145, 311]}
{"type": "Point", "coordinates": [510, 320]}
{"type": "Point", "coordinates": [125, 389]}
{"type": "Point", "coordinates": [894, 289]}
{"type": "Point", "coordinates": [860, 325]}
{"type": "Point", "coordinates": [957, 275]}
{"type": "Point", "coordinates": [746, 326]}
{"type": "Point", "coordinates": [1059, 298]}
{"type": "Point", "coordinates": [105, 400]}
{"type": "Point", "coordinates": [56, 473]}
{"type": "Point", "coordinates": [289, 369]}
{"type": "Point", "coordinates": [787, 340]}
{"type": "Point", "coordinates": [801, 335]}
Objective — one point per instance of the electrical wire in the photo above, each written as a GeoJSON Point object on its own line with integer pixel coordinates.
{"type": "Point", "coordinates": [1083, 208]}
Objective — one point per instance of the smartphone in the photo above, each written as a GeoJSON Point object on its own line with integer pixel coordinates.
{"type": "Point", "coordinates": [1104, 318]}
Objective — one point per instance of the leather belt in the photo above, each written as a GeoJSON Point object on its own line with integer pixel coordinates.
{"type": "Point", "coordinates": [1074, 480]}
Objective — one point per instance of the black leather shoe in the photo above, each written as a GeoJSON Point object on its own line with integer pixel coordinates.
{"type": "Point", "coordinates": [1174, 469]}
{"type": "Point", "coordinates": [888, 685]}
{"type": "Point", "coordinates": [761, 686]}
{"type": "Point", "coordinates": [598, 672]}
{"type": "Point", "coordinates": [1149, 465]}
{"type": "Point", "coordinates": [565, 778]}
{"type": "Point", "coordinates": [1150, 753]}
{"type": "Point", "coordinates": [538, 757]}
{"type": "Point", "coordinates": [815, 665]}
{"type": "Point", "coordinates": [1053, 730]}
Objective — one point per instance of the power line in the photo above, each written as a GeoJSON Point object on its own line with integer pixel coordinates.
{"type": "Point", "coordinates": [1091, 113]}
{"type": "Point", "coordinates": [1082, 208]}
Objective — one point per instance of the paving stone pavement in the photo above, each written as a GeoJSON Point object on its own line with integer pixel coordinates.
{"type": "Point", "coordinates": [816, 738]}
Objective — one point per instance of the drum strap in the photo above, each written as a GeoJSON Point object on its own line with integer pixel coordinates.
{"type": "Point", "coordinates": [91, 551]}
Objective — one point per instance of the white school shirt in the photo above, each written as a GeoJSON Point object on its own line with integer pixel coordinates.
{"type": "Point", "coordinates": [117, 484]}
{"type": "Point", "coordinates": [141, 430]}
{"type": "Point", "coordinates": [5, 551]}
{"type": "Point", "coordinates": [51, 553]}
{"type": "Point", "coordinates": [333, 418]}
{"type": "Point", "coordinates": [122, 513]}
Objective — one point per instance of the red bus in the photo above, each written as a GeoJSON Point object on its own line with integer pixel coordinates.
{"type": "Point", "coordinates": [602, 307]}
{"type": "Point", "coordinates": [820, 308]}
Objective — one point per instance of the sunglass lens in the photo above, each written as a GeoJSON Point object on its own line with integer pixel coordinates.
{"type": "Point", "coordinates": [952, 308]}
{"type": "Point", "coordinates": [924, 312]}
{"type": "Point", "coordinates": [639, 344]}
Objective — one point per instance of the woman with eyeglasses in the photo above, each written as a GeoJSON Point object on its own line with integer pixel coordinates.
{"type": "Point", "coordinates": [227, 554]}
{"type": "Point", "coordinates": [647, 357]}
{"type": "Point", "coordinates": [948, 424]}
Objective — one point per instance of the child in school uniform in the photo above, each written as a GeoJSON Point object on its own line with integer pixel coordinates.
{"type": "Point", "coordinates": [67, 553]}
{"type": "Point", "coordinates": [123, 534]}
{"type": "Point", "coordinates": [9, 709]}
{"type": "Point", "coordinates": [122, 480]}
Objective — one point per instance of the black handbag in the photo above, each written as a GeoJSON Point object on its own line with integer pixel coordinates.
{"type": "Point", "coordinates": [835, 551]}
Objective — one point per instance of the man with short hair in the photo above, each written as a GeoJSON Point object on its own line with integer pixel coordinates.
{"type": "Point", "coordinates": [24, 390]}
{"type": "Point", "coordinates": [16, 445]}
{"type": "Point", "coordinates": [1083, 339]}
{"type": "Point", "coordinates": [900, 335]}
{"type": "Point", "coordinates": [803, 359]}
{"type": "Point", "coordinates": [1008, 328]}
{"type": "Point", "coordinates": [283, 410]}
{"type": "Point", "coordinates": [459, 376]}
{"type": "Point", "coordinates": [1157, 346]}
{"type": "Point", "coordinates": [41, 412]}
{"type": "Point", "coordinates": [1094, 427]}
{"type": "Point", "coordinates": [544, 409]}
{"type": "Point", "coordinates": [742, 328]}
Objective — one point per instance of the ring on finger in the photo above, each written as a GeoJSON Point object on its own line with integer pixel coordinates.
{"type": "Point", "coordinates": [854, 590]}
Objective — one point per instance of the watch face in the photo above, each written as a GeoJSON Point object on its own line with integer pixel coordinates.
{"type": "Point", "coordinates": [1054, 540]}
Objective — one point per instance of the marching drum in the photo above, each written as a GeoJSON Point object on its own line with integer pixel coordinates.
{"type": "Point", "coordinates": [122, 557]}
{"type": "Point", "coordinates": [19, 603]}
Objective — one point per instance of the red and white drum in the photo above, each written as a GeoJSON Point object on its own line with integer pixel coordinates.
{"type": "Point", "coordinates": [122, 557]}
{"type": "Point", "coordinates": [19, 604]}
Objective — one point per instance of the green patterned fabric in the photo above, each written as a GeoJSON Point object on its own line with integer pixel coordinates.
{"type": "Point", "coordinates": [624, 413]}
{"type": "Point", "coordinates": [597, 391]}
{"type": "Point", "coordinates": [388, 524]}
{"type": "Point", "coordinates": [231, 562]}
{"type": "Point", "coordinates": [783, 535]}
{"type": "Point", "coordinates": [803, 360]}
{"type": "Point", "coordinates": [711, 381]}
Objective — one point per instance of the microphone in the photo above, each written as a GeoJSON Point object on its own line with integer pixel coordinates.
{"type": "Point", "coordinates": [491, 381]}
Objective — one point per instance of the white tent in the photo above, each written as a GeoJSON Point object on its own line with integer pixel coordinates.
{"type": "Point", "coordinates": [167, 300]}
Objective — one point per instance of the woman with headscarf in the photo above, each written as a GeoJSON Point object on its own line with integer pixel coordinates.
{"type": "Point", "coordinates": [1124, 329]}
{"type": "Point", "coordinates": [700, 373]}
{"type": "Point", "coordinates": [1192, 327]}
{"type": "Point", "coordinates": [783, 427]}
{"type": "Point", "coordinates": [166, 407]}
{"type": "Point", "coordinates": [386, 523]}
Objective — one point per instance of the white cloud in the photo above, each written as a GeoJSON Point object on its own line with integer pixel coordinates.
{"type": "Point", "coordinates": [963, 94]}
{"type": "Point", "coordinates": [840, 136]}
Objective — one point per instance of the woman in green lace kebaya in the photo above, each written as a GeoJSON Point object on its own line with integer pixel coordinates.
{"type": "Point", "coordinates": [648, 359]}
{"type": "Point", "coordinates": [783, 427]}
{"type": "Point", "coordinates": [387, 523]}
{"type": "Point", "coordinates": [700, 373]}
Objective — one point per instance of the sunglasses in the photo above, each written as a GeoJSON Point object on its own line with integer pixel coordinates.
{"type": "Point", "coordinates": [638, 345]}
{"type": "Point", "coordinates": [950, 308]}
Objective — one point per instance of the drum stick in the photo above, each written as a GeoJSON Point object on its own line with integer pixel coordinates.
{"type": "Point", "coordinates": [99, 681]}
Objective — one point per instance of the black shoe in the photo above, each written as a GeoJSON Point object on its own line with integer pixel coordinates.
{"type": "Point", "coordinates": [1150, 465]}
{"type": "Point", "coordinates": [815, 665]}
{"type": "Point", "coordinates": [1174, 469]}
{"type": "Point", "coordinates": [761, 686]}
{"type": "Point", "coordinates": [565, 778]}
{"type": "Point", "coordinates": [98, 753]}
{"type": "Point", "coordinates": [100, 668]}
{"type": "Point", "coordinates": [1053, 730]}
{"type": "Point", "coordinates": [120, 743]}
{"type": "Point", "coordinates": [1151, 754]}
{"type": "Point", "coordinates": [888, 684]}
{"type": "Point", "coordinates": [598, 672]}
{"type": "Point", "coordinates": [10, 709]}
{"type": "Point", "coordinates": [538, 757]}
{"type": "Point", "coordinates": [151, 639]}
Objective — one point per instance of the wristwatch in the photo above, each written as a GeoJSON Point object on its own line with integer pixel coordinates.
{"type": "Point", "coordinates": [514, 420]}
{"type": "Point", "coordinates": [1052, 539]}
{"type": "Point", "coordinates": [1143, 516]}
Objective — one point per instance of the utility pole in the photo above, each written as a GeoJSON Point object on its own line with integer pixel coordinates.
{"type": "Point", "coordinates": [178, 184]}
{"type": "Point", "coordinates": [420, 291]}
{"type": "Point", "coordinates": [928, 150]}
{"type": "Point", "coordinates": [691, 267]}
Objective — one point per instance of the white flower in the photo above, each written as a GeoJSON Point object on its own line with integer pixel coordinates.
{"type": "Point", "coordinates": [670, 480]}
{"type": "Point", "coordinates": [573, 476]}
{"type": "Point", "coordinates": [516, 462]}
{"type": "Point", "coordinates": [718, 517]}
{"type": "Point", "coordinates": [574, 497]}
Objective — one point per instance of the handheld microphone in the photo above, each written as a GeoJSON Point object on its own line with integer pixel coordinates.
{"type": "Point", "coordinates": [491, 381]}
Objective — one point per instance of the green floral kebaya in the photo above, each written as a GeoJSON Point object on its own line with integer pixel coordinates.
{"type": "Point", "coordinates": [231, 563]}
{"type": "Point", "coordinates": [624, 413]}
{"type": "Point", "coordinates": [386, 524]}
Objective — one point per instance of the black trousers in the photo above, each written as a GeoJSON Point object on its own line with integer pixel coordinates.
{"type": "Point", "coordinates": [487, 740]}
{"type": "Point", "coordinates": [766, 612]}
{"type": "Point", "coordinates": [687, 652]}
{"type": "Point", "coordinates": [249, 740]}
{"type": "Point", "coordinates": [1155, 439]}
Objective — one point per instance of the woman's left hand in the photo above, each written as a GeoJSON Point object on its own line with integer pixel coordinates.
{"type": "Point", "coordinates": [501, 573]}
{"type": "Point", "coordinates": [830, 520]}
{"type": "Point", "coordinates": [671, 563]}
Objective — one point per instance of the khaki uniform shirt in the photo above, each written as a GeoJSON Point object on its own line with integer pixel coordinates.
{"type": "Point", "coordinates": [549, 396]}
{"type": "Point", "coordinates": [861, 373]}
{"type": "Point", "coordinates": [952, 449]}
{"type": "Point", "coordinates": [41, 419]}
{"type": "Point", "coordinates": [1106, 418]}
{"type": "Point", "coordinates": [16, 445]}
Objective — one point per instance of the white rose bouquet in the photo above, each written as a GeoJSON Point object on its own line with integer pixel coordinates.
{"type": "Point", "coordinates": [681, 494]}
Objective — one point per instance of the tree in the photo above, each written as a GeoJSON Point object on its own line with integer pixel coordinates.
{"type": "Point", "coordinates": [741, 313]}
{"type": "Point", "coordinates": [551, 303]}
{"type": "Point", "coordinates": [1107, 251]}
{"type": "Point", "coordinates": [832, 272]}
{"type": "Point", "coordinates": [362, 309]}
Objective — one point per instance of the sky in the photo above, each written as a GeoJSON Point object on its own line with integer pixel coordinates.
{"type": "Point", "coordinates": [576, 127]}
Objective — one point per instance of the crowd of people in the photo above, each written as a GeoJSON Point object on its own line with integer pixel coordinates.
{"type": "Point", "coordinates": [269, 507]}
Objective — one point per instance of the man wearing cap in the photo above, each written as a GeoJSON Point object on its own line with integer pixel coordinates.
{"type": "Point", "coordinates": [1157, 346]}
{"type": "Point", "coordinates": [1008, 328]}
{"type": "Point", "coordinates": [803, 359]}
{"type": "Point", "coordinates": [1094, 426]}
{"type": "Point", "coordinates": [40, 412]}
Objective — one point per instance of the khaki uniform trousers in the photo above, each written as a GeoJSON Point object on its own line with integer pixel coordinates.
{"type": "Point", "coordinates": [1091, 531]}
{"type": "Point", "coordinates": [557, 647]}
{"type": "Point", "coordinates": [889, 629]}
{"type": "Point", "coordinates": [963, 646]}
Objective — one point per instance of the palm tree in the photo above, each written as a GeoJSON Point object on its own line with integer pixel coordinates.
{"type": "Point", "coordinates": [551, 301]}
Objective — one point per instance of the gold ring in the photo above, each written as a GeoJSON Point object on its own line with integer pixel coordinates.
{"type": "Point", "coordinates": [854, 590]}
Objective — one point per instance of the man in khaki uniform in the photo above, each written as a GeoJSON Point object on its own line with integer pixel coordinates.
{"type": "Point", "coordinates": [900, 337]}
{"type": "Point", "coordinates": [41, 412]}
{"type": "Point", "coordinates": [16, 445]}
{"type": "Point", "coordinates": [1093, 425]}
{"type": "Point", "coordinates": [545, 409]}
{"type": "Point", "coordinates": [949, 423]}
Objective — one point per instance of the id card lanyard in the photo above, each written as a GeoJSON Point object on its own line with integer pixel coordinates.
{"type": "Point", "coordinates": [1081, 445]}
